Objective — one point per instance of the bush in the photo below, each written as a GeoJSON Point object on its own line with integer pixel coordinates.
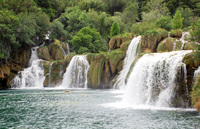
{"type": "Point", "coordinates": [177, 20]}
{"type": "Point", "coordinates": [82, 50]}
{"type": "Point", "coordinates": [88, 38]}
{"type": "Point", "coordinates": [115, 29]}
{"type": "Point", "coordinates": [164, 22]}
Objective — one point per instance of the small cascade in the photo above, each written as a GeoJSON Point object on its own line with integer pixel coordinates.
{"type": "Point", "coordinates": [131, 54]}
{"type": "Point", "coordinates": [64, 53]}
{"type": "Point", "coordinates": [68, 49]}
{"type": "Point", "coordinates": [196, 73]}
{"type": "Point", "coordinates": [152, 81]}
{"type": "Point", "coordinates": [50, 69]}
{"type": "Point", "coordinates": [169, 35]}
{"type": "Point", "coordinates": [174, 47]}
{"type": "Point", "coordinates": [183, 40]}
{"type": "Point", "coordinates": [31, 77]}
{"type": "Point", "coordinates": [76, 73]}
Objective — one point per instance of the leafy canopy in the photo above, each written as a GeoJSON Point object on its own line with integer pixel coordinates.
{"type": "Point", "coordinates": [177, 20]}
{"type": "Point", "coordinates": [115, 29]}
{"type": "Point", "coordinates": [88, 40]}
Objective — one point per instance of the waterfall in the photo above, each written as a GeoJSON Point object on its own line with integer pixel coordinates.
{"type": "Point", "coordinates": [183, 40]}
{"type": "Point", "coordinates": [196, 73]}
{"type": "Point", "coordinates": [50, 69]}
{"type": "Point", "coordinates": [152, 81]}
{"type": "Point", "coordinates": [174, 47]}
{"type": "Point", "coordinates": [31, 77]}
{"type": "Point", "coordinates": [131, 54]}
{"type": "Point", "coordinates": [64, 53]}
{"type": "Point", "coordinates": [76, 73]}
{"type": "Point", "coordinates": [68, 49]}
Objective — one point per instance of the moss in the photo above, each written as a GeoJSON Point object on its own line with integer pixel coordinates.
{"type": "Point", "coordinates": [178, 45]}
{"type": "Point", "coordinates": [124, 46]}
{"type": "Point", "coordinates": [55, 50]}
{"type": "Point", "coordinates": [150, 40]}
{"type": "Point", "coordinates": [166, 46]}
{"type": "Point", "coordinates": [188, 46]}
{"type": "Point", "coordinates": [97, 62]}
{"type": "Point", "coordinates": [195, 95]}
{"type": "Point", "coordinates": [176, 33]}
{"type": "Point", "coordinates": [114, 58]}
{"type": "Point", "coordinates": [43, 53]}
{"type": "Point", "coordinates": [117, 41]}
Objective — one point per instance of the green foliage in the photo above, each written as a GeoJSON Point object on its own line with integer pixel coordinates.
{"type": "Point", "coordinates": [87, 38]}
{"type": "Point", "coordinates": [164, 22]}
{"type": "Point", "coordinates": [177, 20]}
{"type": "Point", "coordinates": [196, 31]}
{"type": "Point", "coordinates": [92, 4]}
{"type": "Point", "coordinates": [115, 29]}
{"type": "Point", "coordinates": [142, 28]}
{"type": "Point", "coordinates": [58, 31]}
{"type": "Point", "coordinates": [156, 9]}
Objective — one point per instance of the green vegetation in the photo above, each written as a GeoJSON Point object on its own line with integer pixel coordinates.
{"type": "Point", "coordinates": [115, 29]}
{"type": "Point", "coordinates": [24, 23]}
{"type": "Point", "coordinates": [177, 21]}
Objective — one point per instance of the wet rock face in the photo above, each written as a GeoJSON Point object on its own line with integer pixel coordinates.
{"type": "Point", "coordinates": [150, 40]}
{"type": "Point", "coordinates": [103, 68]}
{"type": "Point", "coordinates": [117, 41]}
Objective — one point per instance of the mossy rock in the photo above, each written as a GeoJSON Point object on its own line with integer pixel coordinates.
{"type": "Point", "coordinates": [4, 71]}
{"type": "Point", "coordinates": [114, 58]}
{"type": "Point", "coordinates": [117, 41]}
{"type": "Point", "coordinates": [43, 53]}
{"type": "Point", "coordinates": [58, 68]}
{"type": "Point", "coordinates": [95, 73]}
{"type": "Point", "coordinates": [124, 46]}
{"type": "Point", "coordinates": [188, 46]}
{"type": "Point", "coordinates": [176, 33]}
{"type": "Point", "coordinates": [166, 45]}
{"type": "Point", "coordinates": [195, 95]}
{"type": "Point", "coordinates": [22, 57]}
{"type": "Point", "coordinates": [55, 50]}
{"type": "Point", "coordinates": [151, 39]}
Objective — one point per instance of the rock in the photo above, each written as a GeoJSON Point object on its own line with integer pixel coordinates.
{"type": "Point", "coordinates": [55, 50]}
{"type": "Point", "coordinates": [97, 62]}
{"type": "Point", "coordinates": [43, 53]}
{"type": "Point", "coordinates": [117, 41]}
{"type": "Point", "coordinates": [196, 94]}
{"type": "Point", "coordinates": [151, 39]}
{"type": "Point", "coordinates": [22, 57]}
{"type": "Point", "coordinates": [188, 46]}
{"type": "Point", "coordinates": [166, 45]}
{"type": "Point", "coordinates": [114, 58]}
{"type": "Point", "coordinates": [176, 33]}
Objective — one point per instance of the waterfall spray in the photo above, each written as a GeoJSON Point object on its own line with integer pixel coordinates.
{"type": "Point", "coordinates": [131, 54]}
{"type": "Point", "coordinates": [153, 79]}
{"type": "Point", "coordinates": [76, 73]}
{"type": "Point", "coordinates": [31, 77]}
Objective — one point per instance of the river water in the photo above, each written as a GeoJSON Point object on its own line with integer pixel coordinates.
{"type": "Point", "coordinates": [85, 109]}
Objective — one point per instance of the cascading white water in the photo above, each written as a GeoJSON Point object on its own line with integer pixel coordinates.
{"type": "Point", "coordinates": [174, 47]}
{"type": "Point", "coordinates": [31, 77]}
{"type": "Point", "coordinates": [183, 40]}
{"type": "Point", "coordinates": [50, 69]}
{"type": "Point", "coordinates": [131, 54]}
{"type": "Point", "coordinates": [196, 73]}
{"type": "Point", "coordinates": [152, 80]}
{"type": "Point", "coordinates": [64, 53]}
{"type": "Point", "coordinates": [76, 73]}
{"type": "Point", "coordinates": [68, 49]}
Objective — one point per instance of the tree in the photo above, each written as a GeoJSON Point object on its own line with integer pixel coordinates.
{"type": "Point", "coordinates": [156, 9]}
{"type": "Point", "coordinates": [57, 31]}
{"type": "Point", "coordinates": [115, 29]}
{"type": "Point", "coordinates": [88, 40]}
{"type": "Point", "coordinates": [177, 20]}
{"type": "Point", "coordinates": [196, 32]}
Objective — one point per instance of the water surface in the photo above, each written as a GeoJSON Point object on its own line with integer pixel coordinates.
{"type": "Point", "coordinates": [85, 108]}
